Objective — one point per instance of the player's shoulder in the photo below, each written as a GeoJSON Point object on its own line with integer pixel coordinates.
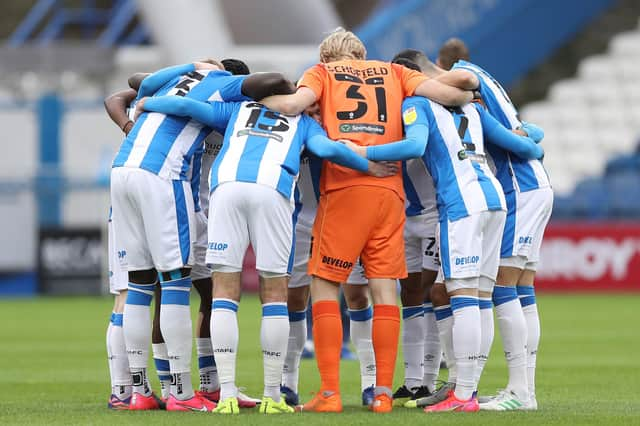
{"type": "Point", "coordinates": [461, 63]}
{"type": "Point", "coordinates": [309, 123]}
{"type": "Point", "coordinates": [416, 102]}
{"type": "Point", "coordinates": [216, 73]}
{"type": "Point", "coordinates": [416, 109]}
{"type": "Point", "coordinates": [318, 68]}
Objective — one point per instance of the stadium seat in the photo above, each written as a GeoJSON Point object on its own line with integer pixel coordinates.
{"type": "Point", "coordinates": [590, 199]}
{"type": "Point", "coordinates": [621, 187]}
{"type": "Point", "coordinates": [626, 44]}
{"type": "Point", "coordinates": [623, 164]}
{"type": "Point", "coordinates": [563, 208]}
{"type": "Point", "coordinates": [596, 68]}
{"type": "Point", "coordinates": [567, 91]}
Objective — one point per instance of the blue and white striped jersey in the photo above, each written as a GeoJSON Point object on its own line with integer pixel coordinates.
{"type": "Point", "coordinates": [262, 146]}
{"type": "Point", "coordinates": [455, 157]}
{"type": "Point", "coordinates": [199, 172]}
{"type": "Point", "coordinates": [513, 172]}
{"type": "Point", "coordinates": [308, 188]}
{"type": "Point", "coordinates": [418, 188]}
{"type": "Point", "coordinates": [165, 144]}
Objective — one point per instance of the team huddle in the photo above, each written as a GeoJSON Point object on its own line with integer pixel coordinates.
{"type": "Point", "coordinates": [330, 182]}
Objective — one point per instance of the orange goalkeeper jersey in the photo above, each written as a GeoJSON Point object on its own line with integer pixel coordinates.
{"type": "Point", "coordinates": [361, 101]}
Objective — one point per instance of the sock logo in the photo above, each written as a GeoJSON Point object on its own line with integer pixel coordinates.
{"type": "Point", "coordinates": [271, 353]}
{"type": "Point", "coordinates": [223, 350]}
{"type": "Point", "coordinates": [137, 378]}
{"type": "Point", "coordinates": [176, 381]}
{"type": "Point", "coordinates": [134, 351]}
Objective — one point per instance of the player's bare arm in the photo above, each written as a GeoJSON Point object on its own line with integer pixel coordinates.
{"type": "Point", "coordinates": [462, 79]}
{"type": "Point", "coordinates": [116, 106]}
{"type": "Point", "coordinates": [136, 79]}
{"type": "Point", "coordinates": [443, 93]}
{"type": "Point", "coordinates": [266, 84]}
{"type": "Point", "coordinates": [293, 104]}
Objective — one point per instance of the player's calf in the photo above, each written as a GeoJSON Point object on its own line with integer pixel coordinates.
{"type": "Point", "coordinates": [175, 324]}
{"type": "Point", "coordinates": [137, 334]}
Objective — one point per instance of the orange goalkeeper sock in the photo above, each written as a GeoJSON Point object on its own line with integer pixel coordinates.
{"type": "Point", "coordinates": [385, 332]}
{"type": "Point", "coordinates": [327, 338]}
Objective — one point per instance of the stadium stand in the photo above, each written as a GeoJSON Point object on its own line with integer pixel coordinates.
{"type": "Point", "coordinates": [591, 124]}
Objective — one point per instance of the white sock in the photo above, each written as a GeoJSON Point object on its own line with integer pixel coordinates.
{"type": "Point", "coordinates": [486, 336]}
{"type": "Point", "coordinates": [207, 365]}
{"type": "Point", "coordinates": [118, 361]}
{"type": "Point", "coordinates": [136, 326]}
{"type": "Point", "coordinates": [274, 337]}
{"type": "Point", "coordinates": [513, 330]}
{"type": "Point", "coordinates": [224, 338]}
{"type": "Point", "coordinates": [175, 324]}
{"type": "Point", "coordinates": [444, 321]}
{"type": "Point", "coordinates": [530, 311]}
{"type": "Point", "coordinates": [413, 345]}
{"type": "Point", "coordinates": [360, 330]}
{"type": "Point", "coordinates": [432, 349]}
{"type": "Point", "coordinates": [466, 342]}
{"type": "Point", "coordinates": [297, 337]}
{"type": "Point", "coordinates": [161, 360]}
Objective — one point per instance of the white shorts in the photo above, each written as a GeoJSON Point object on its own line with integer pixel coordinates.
{"type": "Point", "coordinates": [153, 220]}
{"type": "Point", "coordinates": [299, 276]}
{"type": "Point", "coordinates": [527, 218]}
{"type": "Point", "coordinates": [470, 247]}
{"type": "Point", "coordinates": [200, 270]}
{"type": "Point", "coordinates": [420, 248]}
{"type": "Point", "coordinates": [118, 277]}
{"type": "Point", "coordinates": [241, 213]}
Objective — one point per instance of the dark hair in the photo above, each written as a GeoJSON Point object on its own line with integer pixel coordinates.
{"type": "Point", "coordinates": [410, 55]}
{"type": "Point", "coordinates": [451, 52]}
{"type": "Point", "coordinates": [235, 66]}
{"type": "Point", "coordinates": [407, 63]}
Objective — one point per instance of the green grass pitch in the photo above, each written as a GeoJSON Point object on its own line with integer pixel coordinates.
{"type": "Point", "coordinates": [53, 369]}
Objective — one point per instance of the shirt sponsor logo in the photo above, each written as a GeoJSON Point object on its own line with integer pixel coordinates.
{"type": "Point", "coordinates": [362, 128]}
{"type": "Point", "coordinates": [339, 263]}
{"type": "Point", "coordinates": [212, 149]}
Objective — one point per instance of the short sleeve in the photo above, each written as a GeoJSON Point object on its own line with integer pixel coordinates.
{"type": "Point", "coordinates": [415, 110]}
{"type": "Point", "coordinates": [222, 113]}
{"type": "Point", "coordinates": [410, 79]}
{"type": "Point", "coordinates": [313, 78]}
{"type": "Point", "coordinates": [231, 90]}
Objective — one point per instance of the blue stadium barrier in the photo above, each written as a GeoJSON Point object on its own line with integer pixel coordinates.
{"type": "Point", "coordinates": [47, 20]}
{"type": "Point", "coordinates": [493, 29]}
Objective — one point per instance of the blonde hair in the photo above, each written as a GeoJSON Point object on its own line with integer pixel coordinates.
{"type": "Point", "coordinates": [341, 44]}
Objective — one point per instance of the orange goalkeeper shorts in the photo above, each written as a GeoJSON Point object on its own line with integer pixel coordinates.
{"type": "Point", "coordinates": [358, 221]}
